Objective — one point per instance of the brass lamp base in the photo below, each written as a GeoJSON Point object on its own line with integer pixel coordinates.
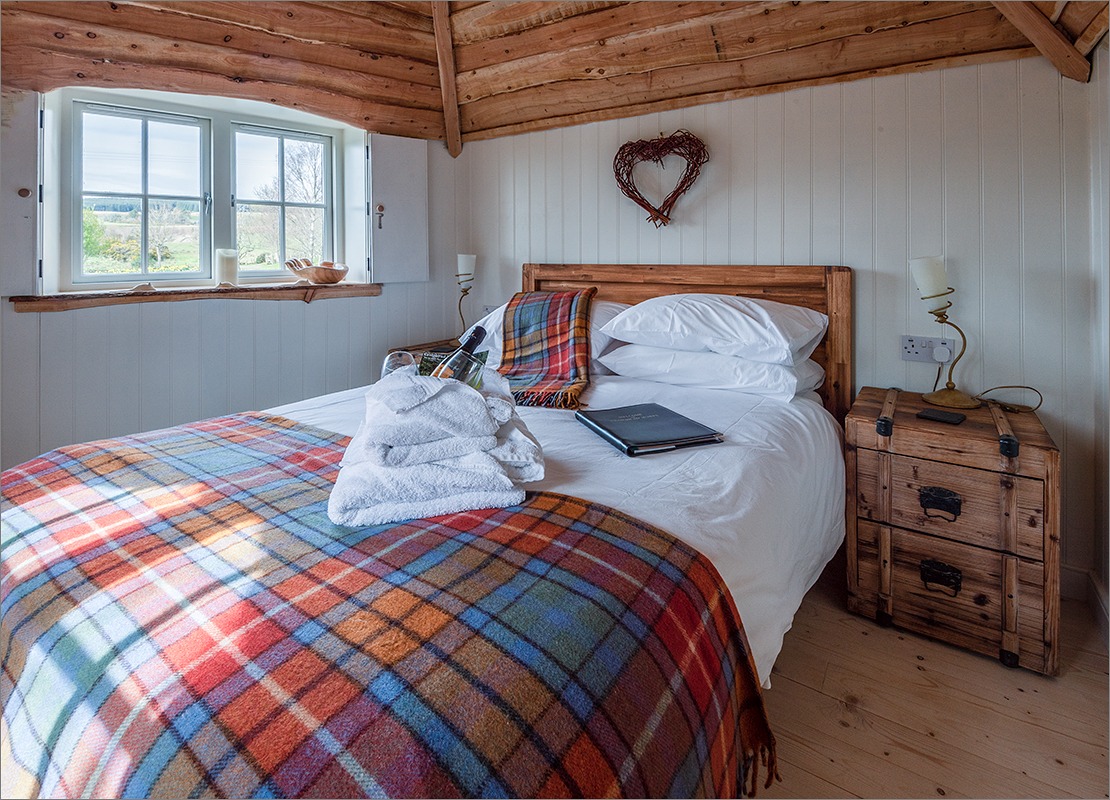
{"type": "Point", "coordinates": [951, 398]}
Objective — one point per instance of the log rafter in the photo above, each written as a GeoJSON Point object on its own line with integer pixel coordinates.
{"type": "Point", "coordinates": [681, 86]}
{"type": "Point", "coordinates": [469, 70]}
{"type": "Point", "coordinates": [445, 52]}
{"type": "Point", "coordinates": [1047, 38]}
{"type": "Point", "coordinates": [715, 35]}
{"type": "Point", "coordinates": [156, 51]}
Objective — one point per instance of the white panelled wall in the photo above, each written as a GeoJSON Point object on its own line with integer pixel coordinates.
{"type": "Point", "coordinates": [91, 373]}
{"type": "Point", "coordinates": [997, 168]}
{"type": "Point", "coordinates": [988, 166]}
{"type": "Point", "coordinates": [1100, 285]}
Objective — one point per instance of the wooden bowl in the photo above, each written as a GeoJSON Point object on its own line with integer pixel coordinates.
{"type": "Point", "coordinates": [326, 272]}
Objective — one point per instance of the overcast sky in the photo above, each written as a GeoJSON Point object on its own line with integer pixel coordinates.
{"type": "Point", "coordinates": [112, 153]}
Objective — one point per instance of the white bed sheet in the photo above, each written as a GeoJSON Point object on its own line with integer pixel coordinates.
{"type": "Point", "coordinates": [766, 506]}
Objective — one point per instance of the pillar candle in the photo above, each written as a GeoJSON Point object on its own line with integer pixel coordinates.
{"type": "Point", "coordinates": [227, 266]}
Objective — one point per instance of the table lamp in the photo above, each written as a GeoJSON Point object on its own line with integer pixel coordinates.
{"type": "Point", "coordinates": [465, 277]}
{"type": "Point", "coordinates": [931, 278]}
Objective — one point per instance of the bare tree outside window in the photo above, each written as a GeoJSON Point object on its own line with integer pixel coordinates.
{"type": "Point", "coordinates": [305, 180]}
{"type": "Point", "coordinates": [303, 207]}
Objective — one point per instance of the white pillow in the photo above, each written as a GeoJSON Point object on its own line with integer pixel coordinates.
{"type": "Point", "coordinates": [759, 330]}
{"type": "Point", "coordinates": [601, 312]}
{"type": "Point", "coordinates": [714, 371]}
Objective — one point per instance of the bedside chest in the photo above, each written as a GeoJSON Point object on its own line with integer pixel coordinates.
{"type": "Point", "coordinates": [953, 531]}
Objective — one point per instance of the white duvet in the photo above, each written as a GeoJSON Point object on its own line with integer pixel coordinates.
{"type": "Point", "coordinates": [766, 506]}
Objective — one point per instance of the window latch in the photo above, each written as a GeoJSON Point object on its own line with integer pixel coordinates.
{"type": "Point", "coordinates": [207, 203]}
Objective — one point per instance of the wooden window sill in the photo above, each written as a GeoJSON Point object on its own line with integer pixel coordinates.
{"type": "Point", "coordinates": [305, 292]}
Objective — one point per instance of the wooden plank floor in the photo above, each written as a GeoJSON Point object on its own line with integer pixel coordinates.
{"type": "Point", "coordinates": [864, 711]}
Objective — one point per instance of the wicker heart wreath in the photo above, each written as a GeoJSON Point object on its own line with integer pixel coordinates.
{"type": "Point", "coordinates": [680, 143]}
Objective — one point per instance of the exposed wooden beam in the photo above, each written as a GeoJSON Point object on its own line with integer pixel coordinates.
{"type": "Point", "coordinates": [707, 34]}
{"type": "Point", "coordinates": [589, 27]}
{"type": "Point", "coordinates": [654, 107]}
{"type": "Point", "coordinates": [305, 22]}
{"type": "Point", "coordinates": [485, 21]}
{"type": "Point", "coordinates": [445, 53]}
{"type": "Point", "coordinates": [1076, 17]}
{"type": "Point", "coordinates": [158, 50]}
{"type": "Point", "coordinates": [172, 24]}
{"type": "Point", "coordinates": [1094, 32]}
{"type": "Point", "coordinates": [43, 70]}
{"type": "Point", "coordinates": [396, 14]}
{"type": "Point", "coordinates": [1052, 44]}
{"type": "Point", "coordinates": [925, 42]}
{"type": "Point", "coordinates": [412, 6]}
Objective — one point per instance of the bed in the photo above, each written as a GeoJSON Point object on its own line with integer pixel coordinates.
{"type": "Point", "coordinates": [169, 642]}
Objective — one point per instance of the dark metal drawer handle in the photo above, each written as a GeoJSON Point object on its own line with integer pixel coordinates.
{"type": "Point", "coordinates": [940, 577]}
{"type": "Point", "coordinates": [944, 501]}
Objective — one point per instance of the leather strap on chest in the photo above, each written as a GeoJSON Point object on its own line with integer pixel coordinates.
{"type": "Point", "coordinates": [1008, 444]}
{"type": "Point", "coordinates": [884, 425]}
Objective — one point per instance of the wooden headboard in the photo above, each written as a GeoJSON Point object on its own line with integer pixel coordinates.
{"type": "Point", "coordinates": [826, 289]}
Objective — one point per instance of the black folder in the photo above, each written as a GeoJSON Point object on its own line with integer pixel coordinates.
{"type": "Point", "coordinates": [646, 428]}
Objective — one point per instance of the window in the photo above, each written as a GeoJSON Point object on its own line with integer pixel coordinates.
{"type": "Point", "coordinates": [282, 198]}
{"type": "Point", "coordinates": [143, 199]}
{"type": "Point", "coordinates": [144, 186]}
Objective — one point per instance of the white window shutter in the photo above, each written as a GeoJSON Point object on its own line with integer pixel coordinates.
{"type": "Point", "coordinates": [398, 209]}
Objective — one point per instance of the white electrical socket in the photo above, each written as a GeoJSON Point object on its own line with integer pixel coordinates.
{"type": "Point", "coordinates": [924, 348]}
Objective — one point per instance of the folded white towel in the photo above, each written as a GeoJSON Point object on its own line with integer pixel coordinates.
{"type": "Point", "coordinates": [371, 494]}
{"type": "Point", "coordinates": [499, 396]}
{"type": "Point", "coordinates": [407, 455]}
{"type": "Point", "coordinates": [430, 446]}
{"type": "Point", "coordinates": [404, 408]}
{"type": "Point", "coordinates": [518, 451]}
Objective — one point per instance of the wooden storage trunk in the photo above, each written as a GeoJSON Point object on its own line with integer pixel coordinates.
{"type": "Point", "coordinates": [953, 530]}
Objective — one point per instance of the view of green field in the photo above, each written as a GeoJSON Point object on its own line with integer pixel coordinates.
{"type": "Point", "coordinates": [111, 237]}
{"type": "Point", "coordinates": [112, 225]}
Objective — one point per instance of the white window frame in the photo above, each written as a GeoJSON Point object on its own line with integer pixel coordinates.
{"type": "Point", "coordinates": [78, 277]}
{"type": "Point", "coordinates": [282, 204]}
{"type": "Point", "coordinates": [61, 221]}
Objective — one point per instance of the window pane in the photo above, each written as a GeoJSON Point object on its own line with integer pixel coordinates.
{"type": "Point", "coordinates": [173, 236]}
{"type": "Point", "coordinates": [304, 172]}
{"type": "Point", "coordinates": [111, 153]}
{"type": "Point", "coordinates": [173, 152]}
{"type": "Point", "coordinates": [256, 167]}
{"type": "Point", "coordinates": [258, 235]}
{"type": "Point", "coordinates": [304, 233]}
{"type": "Point", "coordinates": [110, 235]}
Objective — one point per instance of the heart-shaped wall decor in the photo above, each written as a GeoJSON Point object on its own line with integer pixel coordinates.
{"type": "Point", "coordinates": [680, 143]}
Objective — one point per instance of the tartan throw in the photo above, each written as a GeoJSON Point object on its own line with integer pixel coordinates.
{"type": "Point", "coordinates": [546, 352]}
{"type": "Point", "coordinates": [181, 619]}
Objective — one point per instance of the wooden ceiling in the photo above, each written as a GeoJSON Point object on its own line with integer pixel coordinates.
{"type": "Point", "coordinates": [474, 70]}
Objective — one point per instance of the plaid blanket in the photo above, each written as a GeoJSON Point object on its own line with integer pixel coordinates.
{"type": "Point", "coordinates": [546, 353]}
{"type": "Point", "coordinates": [181, 619]}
